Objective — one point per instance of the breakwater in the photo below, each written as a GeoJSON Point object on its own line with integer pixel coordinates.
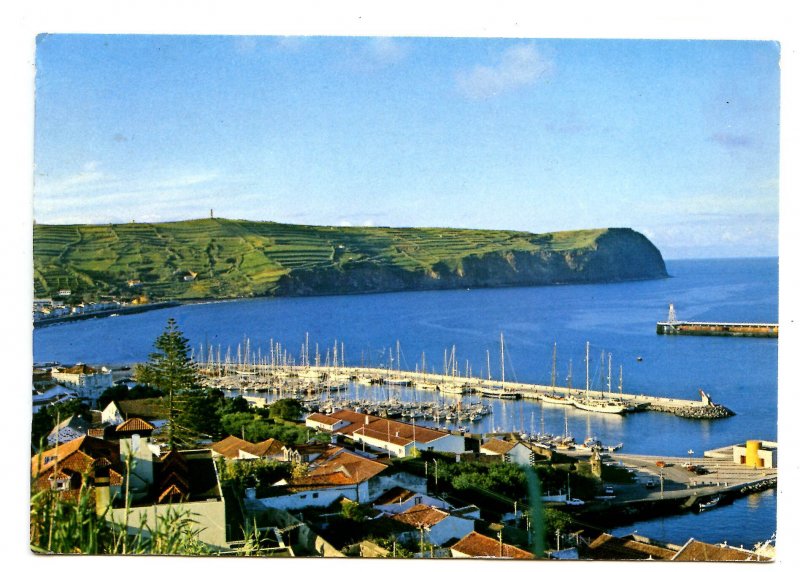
{"type": "Point", "coordinates": [304, 381]}
{"type": "Point", "coordinates": [717, 329]}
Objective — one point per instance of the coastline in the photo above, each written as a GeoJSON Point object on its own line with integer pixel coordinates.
{"type": "Point", "coordinates": [133, 309]}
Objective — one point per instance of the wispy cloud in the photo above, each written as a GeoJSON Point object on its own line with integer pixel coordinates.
{"type": "Point", "coordinates": [517, 66]}
{"type": "Point", "coordinates": [91, 195]}
{"type": "Point", "coordinates": [732, 140]}
{"type": "Point", "coordinates": [89, 175]}
{"type": "Point", "coordinates": [373, 54]}
{"type": "Point", "coordinates": [386, 51]}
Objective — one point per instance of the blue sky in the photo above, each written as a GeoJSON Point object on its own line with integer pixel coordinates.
{"type": "Point", "coordinates": [676, 139]}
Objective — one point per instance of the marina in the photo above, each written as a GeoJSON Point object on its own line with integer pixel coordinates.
{"type": "Point", "coordinates": [666, 371]}
{"type": "Point", "coordinates": [301, 382]}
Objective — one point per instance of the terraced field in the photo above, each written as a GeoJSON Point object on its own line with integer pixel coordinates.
{"type": "Point", "coordinates": [219, 258]}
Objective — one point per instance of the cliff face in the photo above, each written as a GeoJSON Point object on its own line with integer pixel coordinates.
{"type": "Point", "coordinates": [618, 255]}
{"type": "Point", "coordinates": [220, 259]}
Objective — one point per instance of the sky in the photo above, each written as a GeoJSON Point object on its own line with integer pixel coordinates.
{"type": "Point", "coordinates": [676, 139]}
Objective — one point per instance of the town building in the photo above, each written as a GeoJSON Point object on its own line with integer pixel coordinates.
{"type": "Point", "coordinates": [73, 427]}
{"type": "Point", "coordinates": [476, 545]}
{"type": "Point", "coordinates": [696, 551]}
{"type": "Point", "coordinates": [511, 451]}
{"type": "Point", "coordinates": [435, 525]}
{"type": "Point", "coordinates": [631, 547]}
{"type": "Point", "coordinates": [394, 437]}
{"type": "Point", "coordinates": [756, 454]}
{"type": "Point", "coordinates": [51, 395]}
{"type": "Point", "coordinates": [87, 382]}
{"type": "Point", "coordinates": [182, 482]}
{"type": "Point", "coordinates": [234, 448]}
{"type": "Point", "coordinates": [332, 474]}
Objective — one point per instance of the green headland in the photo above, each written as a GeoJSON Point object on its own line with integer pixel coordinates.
{"type": "Point", "coordinates": [220, 259]}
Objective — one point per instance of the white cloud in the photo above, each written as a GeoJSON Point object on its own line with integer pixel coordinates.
{"type": "Point", "coordinates": [88, 175]}
{"type": "Point", "coordinates": [386, 51]}
{"type": "Point", "coordinates": [517, 66]}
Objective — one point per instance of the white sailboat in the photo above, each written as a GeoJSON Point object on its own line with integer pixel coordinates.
{"type": "Point", "coordinates": [501, 392]}
{"type": "Point", "coordinates": [598, 404]}
{"type": "Point", "coordinates": [553, 397]}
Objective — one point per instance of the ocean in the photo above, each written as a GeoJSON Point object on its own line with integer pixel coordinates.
{"type": "Point", "coordinates": [617, 319]}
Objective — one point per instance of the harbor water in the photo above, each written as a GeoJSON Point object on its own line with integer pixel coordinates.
{"type": "Point", "coordinates": [617, 319]}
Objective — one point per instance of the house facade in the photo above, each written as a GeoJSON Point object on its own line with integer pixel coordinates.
{"type": "Point", "coordinates": [435, 525]}
{"type": "Point", "coordinates": [394, 437]}
{"type": "Point", "coordinates": [511, 451]}
{"type": "Point", "coordinates": [87, 382]}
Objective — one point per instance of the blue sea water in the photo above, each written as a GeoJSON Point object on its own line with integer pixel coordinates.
{"type": "Point", "coordinates": [741, 373]}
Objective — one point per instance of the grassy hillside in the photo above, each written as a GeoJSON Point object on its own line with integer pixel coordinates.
{"type": "Point", "coordinates": [231, 258]}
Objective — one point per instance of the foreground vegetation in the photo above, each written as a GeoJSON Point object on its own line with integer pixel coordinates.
{"type": "Point", "coordinates": [219, 258]}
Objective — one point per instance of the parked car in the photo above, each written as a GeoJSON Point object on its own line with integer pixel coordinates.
{"type": "Point", "coordinates": [650, 484]}
{"type": "Point", "coordinates": [609, 490]}
{"type": "Point", "coordinates": [575, 502]}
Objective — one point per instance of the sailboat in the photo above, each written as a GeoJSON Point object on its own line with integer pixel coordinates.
{"type": "Point", "coordinates": [554, 397]}
{"type": "Point", "coordinates": [501, 392]}
{"type": "Point", "coordinates": [598, 404]}
{"type": "Point", "coordinates": [424, 384]}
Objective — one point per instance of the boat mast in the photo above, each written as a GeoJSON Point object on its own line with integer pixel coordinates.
{"type": "Point", "coordinates": [620, 379]}
{"type": "Point", "coordinates": [553, 372]}
{"type": "Point", "coordinates": [502, 362]}
{"type": "Point", "coordinates": [488, 366]}
{"type": "Point", "coordinates": [569, 378]}
{"type": "Point", "coordinates": [587, 369]}
{"type": "Point", "coordinates": [609, 374]}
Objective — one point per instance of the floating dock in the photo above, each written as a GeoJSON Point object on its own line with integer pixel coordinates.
{"type": "Point", "coordinates": [675, 327]}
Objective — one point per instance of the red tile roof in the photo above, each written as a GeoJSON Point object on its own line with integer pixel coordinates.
{"type": "Point", "coordinates": [358, 468]}
{"type": "Point", "coordinates": [80, 368]}
{"type": "Point", "coordinates": [79, 456]}
{"type": "Point", "coordinates": [396, 495]}
{"type": "Point", "coordinates": [341, 468]}
{"type": "Point", "coordinates": [134, 424]}
{"type": "Point", "coordinates": [497, 446]}
{"type": "Point", "coordinates": [476, 545]}
{"type": "Point", "coordinates": [399, 433]}
{"type": "Point", "coordinates": [355, 420]}
{"type": "Point", "coordinates": [229, 447]}
{"type": "Point", "coordinates": [322, 418]}
{"type": "Point", "coordinates": [696, 551]}
{"type": "Point", "coordinates": [421, 515]}
{"type": "Point", "coordinates": [608, 547]}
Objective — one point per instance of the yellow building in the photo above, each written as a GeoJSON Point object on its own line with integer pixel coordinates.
{"type": "Point", "coordinates": [756, 454]}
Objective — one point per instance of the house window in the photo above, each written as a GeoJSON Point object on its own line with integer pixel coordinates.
{"type": "Point", "coordinates": [314, 495]}
{"type": "Point", "coordinates": [302, 496]}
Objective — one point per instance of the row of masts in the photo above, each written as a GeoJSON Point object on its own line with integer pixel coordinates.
{"type": "Point", "coordinates": [248, 361]}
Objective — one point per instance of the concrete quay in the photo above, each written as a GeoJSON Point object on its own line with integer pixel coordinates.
{"type": "Point", "coordinates": [719, 476]}
{"type": "Point", "coordinates": [684, 407]}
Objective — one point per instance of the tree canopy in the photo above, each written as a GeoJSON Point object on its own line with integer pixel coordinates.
{"type": "Point", "coordinates": [171, 369]}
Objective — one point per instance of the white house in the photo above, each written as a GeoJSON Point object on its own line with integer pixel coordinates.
{"type": "Point", "coordinates": [88, 382]}
{"type": "Point", "coordinates": [51, 396]}
{"type": "Point", "coordinates": [437, 526]}
{"type": "Point", "coordinates": [512, 451]}
{"type": "Point", "coordinates": [323, 422]}
{"type": "Point", "coordinates": [399, 500]}
{"type": "Point", "coordinates": [71, 428]}
{"type": "Point", "coordinates": [111, 414]}
{"type": "Point", "coordinates": [396, 438]}
{"type": "Point", "coordinates": [340, 474]}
